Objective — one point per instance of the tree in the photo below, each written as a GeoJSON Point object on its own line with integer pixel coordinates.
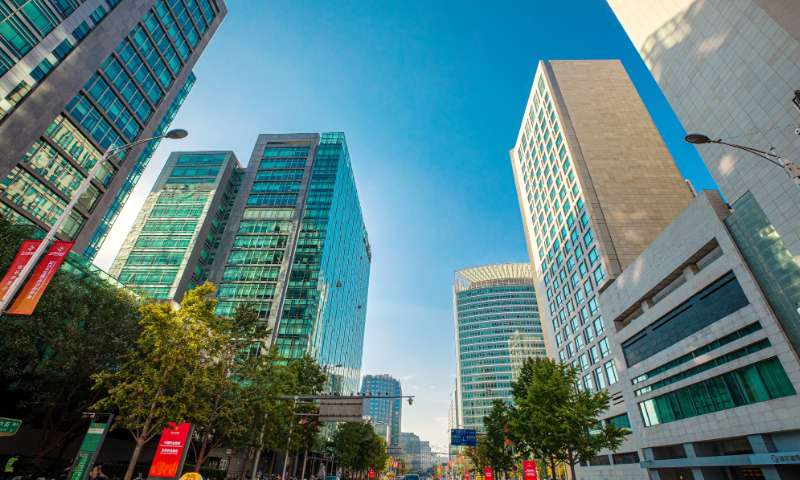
{"type": "Point", "coordinates": [478, 455]}
{"type": "Point", "coordinates": [359, 447]}
{"type": "Point", "coordinates": [157, 381]}
{"type": "Point", "coordinates": [497, 452]}
{"type": "Point", "coordinates": [81, 326]}
{"type": "Point", "coordinates": [553, 418]}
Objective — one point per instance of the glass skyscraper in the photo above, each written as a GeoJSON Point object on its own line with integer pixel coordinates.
{"type": "Point", "coordinates": [497, 325]}
{"type": "Point", "coordinates": [285, 233]}
{"type": "Point", "coordinates": [387, 410]}
{"type": "Point", "coordinates": [77, 76]}
{"type": "Point", "coordinates": [172, 241]}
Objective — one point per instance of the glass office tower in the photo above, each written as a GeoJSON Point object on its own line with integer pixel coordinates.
{"type": "Point", "coordinates": [387, 410]}
{"type": "Point", "coordinates": [495, 313]}
{"type": "Point", "coordinates": [77, 76]}
{"type": "Point", "coordinates": [172, 241]}
{"type": "Point", "coordinates": [295, 244]}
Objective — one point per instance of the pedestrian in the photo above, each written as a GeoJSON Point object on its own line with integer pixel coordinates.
{"type": "Point", "coordinates": [11, 466]}
{"type": "Point", "coordinates": [97, 473]}
{"type": "Point", "coordinates": [67, 470]}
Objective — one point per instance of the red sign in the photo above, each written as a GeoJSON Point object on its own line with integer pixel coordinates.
{"type": "Point", "coordinates": [452, 463]}
{"type": "Point", "coordinates": [466, 475]}
{"type": "Point", "coordinates": [371, 472]}
{"type": "Point", "coordinates": [170, 451]}
{"type": "Point", "coordinates": [32, 292]}
{"type": "Point", "coordinates": [458, 458]}
{"type": "Point", "coordinates": [487, 473]}
{"type": "Point", "coordinates": [23, 257]}
{"type": "Point", "coordinates": [529, 468]}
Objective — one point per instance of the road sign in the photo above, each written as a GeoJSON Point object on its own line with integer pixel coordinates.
{"type": "Point", "coordinates": [463, 437]}
{"type": "Point", "coordinates": [84, 461]}
{"type": "Point", "coordinates": [9, 426]}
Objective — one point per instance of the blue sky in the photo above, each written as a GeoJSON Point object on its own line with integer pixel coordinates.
{"type": "Point", "coordinates": [430, 96]}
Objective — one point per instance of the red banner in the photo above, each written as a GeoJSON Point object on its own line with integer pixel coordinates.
{"type": "Point", "coordinates": [529, 468]}
{"type": "Point", "coordinates": [33, 290]}
{"type": "Point", "coordinates": [466, 475]}
{"type": "Point", "coordinates": [170, 451]}
{"type": "Point", "coordinates": [371, 472]}
{"type": "Point", "coordinates": [23, 257]}
{"type": "Point", "coordinates": [487, 473]}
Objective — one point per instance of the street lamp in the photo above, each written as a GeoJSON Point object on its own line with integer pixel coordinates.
{"type": "Point", "coordinates": [12, 290]}
{"type": "Point", "coordinates": [789, 167]}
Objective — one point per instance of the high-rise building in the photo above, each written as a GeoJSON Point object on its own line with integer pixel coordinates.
{"type": "Point", "coordinates": [386, 410]}
{"type": "Point", "coordinates": [285, 234]}
{"type": "Point", "coordinates": [381, 430]}
{"type": "Point", "coordinates": [78, 76]}
{"type": "Point", "coordinates": [491, 305]}
{"type": "Point", "coordinates": [425, 458]}
{"type": "Point", "coordinates": [729, 70]}
{"type": "Point", "coordinates": [708, 380]}
{"type": "Point", "coordinates": [170, 245]}
{"type": "Point", "coordinates": [411, 451]}
{"type": "Point", "coordinates": [596, 186]}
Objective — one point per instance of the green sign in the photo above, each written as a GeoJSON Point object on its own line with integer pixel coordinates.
{"type": "Point", "coordinates": [86, 454]}
{"type": "Point", "coordinates": [9, 426]}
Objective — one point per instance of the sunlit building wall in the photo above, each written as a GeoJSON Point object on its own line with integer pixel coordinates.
{"type": "Point", "coordinates": [77, 76]}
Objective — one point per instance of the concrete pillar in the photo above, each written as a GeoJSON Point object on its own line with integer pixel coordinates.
{"type": "Point", "coordinates": [762, 443]}
{"type": "Point", "coordinates": [653, 474]}
{"type": "Point", "coordinates": [771, 473]}
{"type": "Point", "coordinates": [647, 303]}
{"type": "Point", "coordinates": [698, 474]}
{"type": "Point", "coordinates": [648, 454]}
{"type": "Point", "coordinates": [689, 450]}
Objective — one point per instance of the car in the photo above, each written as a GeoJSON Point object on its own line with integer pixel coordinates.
{"type": "Point", "coordinates": [333, 477]}
{"type": "Point", "coordinates": [412, 476]}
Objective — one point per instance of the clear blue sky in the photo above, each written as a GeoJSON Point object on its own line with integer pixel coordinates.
{"type": "Point", "coordinates": [430, 96]}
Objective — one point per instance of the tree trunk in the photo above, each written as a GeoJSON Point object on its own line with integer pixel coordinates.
{"type": "Point", "coordinates": [571, 460]}
{"type": "Point", "coordinates": [552, 466]}
{"type": "Point", "coordinates": [199, 458]}
{"type": "Point", "coordinates": [305, 460]}
{"type": "Point", "coordinates": [134, 458]}
{"type": "Point", "coordinates": [272, 464]}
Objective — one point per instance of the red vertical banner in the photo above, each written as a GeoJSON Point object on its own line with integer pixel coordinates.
{"type": "Point", "coordinates": [371, 472]}
{"type": "Point", "coordinates": [170, 451]}
{"type": "Point", "coordinates": [466, 474]}
{"type": "Point", "coordinates": [24, 255]}
{"type": "Point", "coordinates": [32, 292]}
{"type": "Point", "coordinates": [487, 473]}
{"type": "Point", "coordinates": [529, 467]}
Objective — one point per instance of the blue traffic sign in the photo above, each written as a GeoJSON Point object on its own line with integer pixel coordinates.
{"type": "Point", "coordinates": [463, 437]}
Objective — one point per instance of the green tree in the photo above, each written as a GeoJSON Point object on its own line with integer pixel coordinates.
{"type": "Point", "coordinates": [478, 455]}
{"type": "Point", "coordinates": [81, 326]}
{"type": "Point", "coordinates": [498, 453]}
{"type": "Point", "coordinates": [156, 382]}
{"type": "Point", "coordinates": [553, 418]}
{"type": "Point", "coordinates": [359, 447]}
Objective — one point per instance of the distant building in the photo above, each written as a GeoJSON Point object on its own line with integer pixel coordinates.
{"type": "Point", "coordinates": [411, 450]}
{"type": "Point", "coordinates": [382, 430]}
{"type": "Point", "coordinates": [495, 314]}
{"type": "Point", "coordinates": [387, 410]}
{"type": "Point", "coordinates": [425, 455]}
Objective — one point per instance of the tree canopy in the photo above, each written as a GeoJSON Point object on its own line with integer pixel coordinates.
{"type": "Point", "coordinates": [359, 447]}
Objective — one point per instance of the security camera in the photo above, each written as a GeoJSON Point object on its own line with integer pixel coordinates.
{"type": "Point", "coordinates": [797, 131]}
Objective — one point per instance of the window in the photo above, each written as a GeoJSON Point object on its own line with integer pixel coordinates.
{"type": "Point", "coordinates": [601, 381]}
{"type": "Point", "coordinates": [570, 306]}
{"type": "Point", "coordinates": [611, 372]}
{"type": "Point", "coordinates": [579, 296]}
{"type": "Point", "coordinates": [589, 335]}
{"type": "Point", "coordinates": [706, 307]}
{"type": "Point", "coordinates": [570, 220]}
{"type": "Point", "coordinates": [604, 350]}
{"type": "Point", "coordinates": [571, 263]}
{"type": "Point", "coordinates": [598, 325]}
{"type": "Point", "coordinates": [559, 299]}
{"type": "Point", "coordinates": [562, 356]}
{"type": "Point", "coordinates": [584, 314]}
{"type": "Point", "coordinates": [584, 220]}
{"type": "Point", "coordinates": [574, 324]}
{"type": "Point", "coordinates": [587, 383]}
{"type": "Point", "coordinates": [594, 354]}
{"type": "Point", "coordinates": [628, 457]}
{"type": "Point", "coordinates": [570, 349]}
{"type": "Point", "coordinates": [574, 280]}
{"type": "Point", "coordinates": [754, 383]}
{"type": "Point", "coordinates": [555, 324]}
{"type": "Point", "coordinates": [587, 288]}
{"type": "Point", "coordinates": [593, 308]}
{"type": "Point", "coordinates": [599, 275]}
{"type": "Point", "coordinates": [558, 340]}
{"type": "Point", "coordinates": [578, 343]}
{"type": "Point", "coordinates": [579, 205]}
{"type": "Point", "coordinates": [583, 361]}
{"type": "Point", "coordinates": [549, 294]}
{"type": "Point", "coordinates": [578, 251]}
{"type": "Point", "coordinates": [588, 238]}
{"type": "Point", "coordinates": [582, 268]}
{"type": "Point", "coordinates": [593, 256]}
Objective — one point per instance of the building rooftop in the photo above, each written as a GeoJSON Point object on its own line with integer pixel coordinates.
{"type": "Point", "coordinates": [493, 274]}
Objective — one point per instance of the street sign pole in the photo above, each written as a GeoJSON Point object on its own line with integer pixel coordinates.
{"type": "Point", "coordinates": [92, 442]}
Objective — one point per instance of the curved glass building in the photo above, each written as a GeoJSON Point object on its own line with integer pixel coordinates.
{"type": "Point", "coordinates": [497, 325]}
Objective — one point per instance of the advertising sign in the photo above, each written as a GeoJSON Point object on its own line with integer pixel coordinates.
{"type": "Point", "coordinates": [487, 473]}
{"type": "Point", "coordinates": [23, 257]}
{"type": "Point", "coordinates": [529, 467]}
{"type": "Point", "coordinates": [9, 426]}
{"type": "Point", "coordinates": [171, 451]}
{"type": "Point", "coordinates": [466, 475]}
{"type": "Point", "coordinates": [84, 461]}
{"type": "Point", "coordinates": [452, 463]}
{"type": "Point", "coordinates": [463, 437]}
{"type": "Point", "coordinates": [32, 291]}
{"type": "Point", "coordinates": [371, 472]}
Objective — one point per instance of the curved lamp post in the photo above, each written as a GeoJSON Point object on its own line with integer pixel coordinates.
{"type": "Point", "coordinates": [12, 290]}
{"type": "Point", "coordinates": [790, 168]}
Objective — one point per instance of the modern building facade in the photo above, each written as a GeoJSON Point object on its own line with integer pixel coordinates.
{"type": "Point", "coordinates": [78, 76]}
{"type": "Point", "coordinates": [171, 244]}
{"type": "Point", "coordinates": [708, 378]}
{"type": "Point", "coordinates": [492, 304]}
{"type": "Point", "coordinates": [385, 410]}
{"type": "Point", "coordinates": [729, 69]}
{"type": "Point", "coordinates": [411, 451]}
